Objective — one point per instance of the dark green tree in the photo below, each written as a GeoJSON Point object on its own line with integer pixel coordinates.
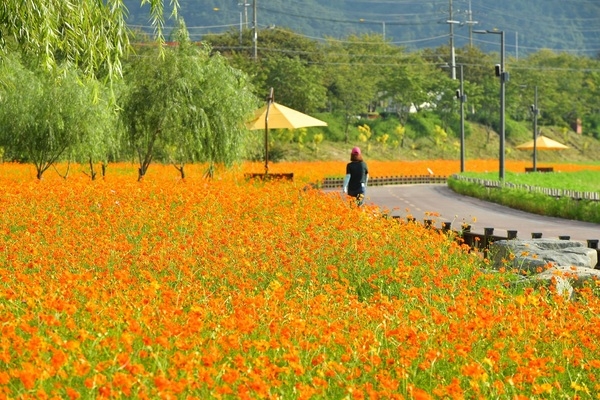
{"type": "Point", "coordinates": [287, 62]}
{"type": "Point", "coordinates": [188, 105]}
{"type": "Point", "coordinates": [296, 84]}
{"type": "Point", "coordinates": [353, 75]}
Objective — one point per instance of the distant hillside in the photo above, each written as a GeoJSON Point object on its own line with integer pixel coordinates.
{"type": "Point", "coordinates": [560, 25]}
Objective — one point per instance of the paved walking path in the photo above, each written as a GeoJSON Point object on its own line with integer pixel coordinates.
{"type": "Point", "coordinates": [440, 204]}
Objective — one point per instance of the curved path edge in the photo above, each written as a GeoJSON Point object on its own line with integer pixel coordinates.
{"type": "Point", "coordinates": [440, 204]}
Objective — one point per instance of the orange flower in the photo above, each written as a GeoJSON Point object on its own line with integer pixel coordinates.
{"type": "Point", "coordinates": [73, 394]}
{"type": "Point", "coordinates": [161, 383]}
{"type": "Point", "coordinates": [418, 394]}
{"type": "Point", "coordinates": [58, 358]}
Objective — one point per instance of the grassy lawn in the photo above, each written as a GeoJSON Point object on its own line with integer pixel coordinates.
{"type": "Point", "coordinates": [585, 181]}
{"type": "Point", "coordinates": [531, 201]}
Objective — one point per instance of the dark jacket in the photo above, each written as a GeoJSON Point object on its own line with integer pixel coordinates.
{"type": "Point", "coordinates": [358, 172]}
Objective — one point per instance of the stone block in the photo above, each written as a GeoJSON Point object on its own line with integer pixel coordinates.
{"type": "Point", "coordinates": [535, 255]}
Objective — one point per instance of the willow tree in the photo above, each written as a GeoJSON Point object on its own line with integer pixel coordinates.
{"type": "Point", "coordinates": [90, 34]}
{"type": "Point", "coordinates": [44, 115]}
{"type": "Point", "coordinates": [187, 105]}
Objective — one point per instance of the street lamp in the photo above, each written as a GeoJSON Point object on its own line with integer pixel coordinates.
{"type": "Point", "coordinates": [503, 75]}
{"type": "Point", "coordinates": [460, 94]}
{"type": "Point", "coordinates": [462, 97]}
{"type": "Point", "coordinates": [535, 110]}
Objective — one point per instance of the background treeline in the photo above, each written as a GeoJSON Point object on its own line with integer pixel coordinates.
{"type": "Point", "coordinates": [187, 102]}
{"type": "Point", "coordinates": [364, 76]}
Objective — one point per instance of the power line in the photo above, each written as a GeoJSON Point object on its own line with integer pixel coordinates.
{"type": "Point", "coordinates": [353, 21]}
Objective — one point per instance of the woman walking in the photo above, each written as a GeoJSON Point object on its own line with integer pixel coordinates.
{"type": "Point", "coordinates": [357, 175]}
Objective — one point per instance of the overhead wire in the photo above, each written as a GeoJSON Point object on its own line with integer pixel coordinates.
{"type": "Point", "coordinates": [197, 32]}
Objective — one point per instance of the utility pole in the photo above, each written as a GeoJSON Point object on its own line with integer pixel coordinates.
{"type": "Point", "coordinates": [243, 22]}
{"type": "Point", "coordinates": [245, 4]}
{"type": "Point", "coordinates": [504, 77]}
{"type": "Point", "coordinates": [254, 30]}
{"type": "Point", "coordinates": [470, 22]}
{"type": "Point", "coordinates": [452, 55]}
{"type": "Point", "coordinates": [535, 110]}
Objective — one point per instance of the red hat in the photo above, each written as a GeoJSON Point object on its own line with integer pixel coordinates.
{"type": "Point", "coordinates": [356, 150]}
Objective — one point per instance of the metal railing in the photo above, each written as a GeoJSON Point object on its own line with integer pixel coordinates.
{"type": "Point", "coordinates": [331, 183]}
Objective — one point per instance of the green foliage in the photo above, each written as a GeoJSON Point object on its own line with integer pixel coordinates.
{"type": "Point", "coordinates": [454, 127]}
{"type": "Point", "coordinates": [385, 125]}
{"type": "Point", "coordinates": [353, 76]}
{"type": "Point", "coordinates": [365, 74]}
{"type": "Point", "coordinates": [336, 79]}
{"type": "Point", "coordinates": [422, 124]}
{"type": "Point", "coordinates": [89, 34]}
{"type": "Point", "coordinates": [296, 84]}
{"type": "Point", "coordinates": [101, 140]}
{"type": "Point", "coordinates": [591, 126]}
{"type": "Point", "coordinates": [46, 115]}
{"type": "Point", "coordinates": [514, 129]}
{"type": "Point", "coordinates": [334, 131]}
{"type": "Point", "coordinates": [295, 75]}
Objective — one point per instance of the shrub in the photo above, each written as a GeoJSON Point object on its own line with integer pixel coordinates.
{"type": "Point", "coordinates": [423, 123]}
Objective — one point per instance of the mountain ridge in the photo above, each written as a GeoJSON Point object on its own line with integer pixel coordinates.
{"type": "Point", "coordinates": [560, 25]}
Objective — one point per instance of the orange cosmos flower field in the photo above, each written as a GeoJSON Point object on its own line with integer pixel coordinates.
{"type": "Point", "coordinates": [227, 288]}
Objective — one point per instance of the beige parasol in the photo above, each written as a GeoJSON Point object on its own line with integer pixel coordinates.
{"type": "Point", "coordinates": [542, 143]}
{"type": "Point", "coordinates": [282, 117]}
{"type": "Point", "coordinates": [277, 116]}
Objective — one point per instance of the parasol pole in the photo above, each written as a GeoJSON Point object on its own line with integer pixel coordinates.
{"type": "Point", "coordinates": [269, 101]}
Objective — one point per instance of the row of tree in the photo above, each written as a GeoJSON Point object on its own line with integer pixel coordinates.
{"type": "Point", "coordinates": [182, 102]}
{"type": "Point", "coordinates": [366, 72]}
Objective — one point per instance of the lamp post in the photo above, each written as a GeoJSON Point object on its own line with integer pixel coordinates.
{"type": "Point", "coordinates": [463, 98]}
{"type": "Point", "coordinates": [535, 110]}
{"type": "Point", "coordinates": [503, 75]}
